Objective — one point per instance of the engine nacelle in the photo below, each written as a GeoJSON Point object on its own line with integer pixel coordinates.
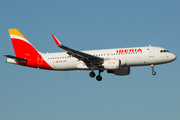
{"type": "Point", "coordinates": [112, 64]}
{"type": "Point", "coordinates": [121, 71]}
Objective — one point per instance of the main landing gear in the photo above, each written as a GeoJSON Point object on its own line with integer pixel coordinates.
{"type": "Point", "coordinates": [153, 72]}
{"type": "Point", "coordinates": [98, 77]}
{"type": "Point", "coordinates": [92, 74]}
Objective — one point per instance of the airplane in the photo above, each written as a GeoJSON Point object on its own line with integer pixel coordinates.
{"type": "Point", "coordinates": [115, 61]}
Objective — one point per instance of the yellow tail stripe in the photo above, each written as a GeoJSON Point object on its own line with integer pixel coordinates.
{"type": "Point", "coordinates": [16, 32]}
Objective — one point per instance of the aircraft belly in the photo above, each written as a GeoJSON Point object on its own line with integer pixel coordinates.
{"type": "Point", "coordinates": [140, 61]}
{"type": "Point", "coordinates": [151, 60]}
{"type": "Point", "coordinates": [134, 61]}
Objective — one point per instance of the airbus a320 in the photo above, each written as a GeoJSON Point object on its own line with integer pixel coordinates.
{"type": "Point", "coordinates": [115, 61]}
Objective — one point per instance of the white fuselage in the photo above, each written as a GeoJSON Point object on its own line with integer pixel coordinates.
{"type": "Point", "coordinates": [128, 56]}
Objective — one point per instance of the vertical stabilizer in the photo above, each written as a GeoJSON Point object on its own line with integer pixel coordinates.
{"type": "Point", "coordinates": [25, 53]}
{"type": "Point", "coordinates": [22, 47]}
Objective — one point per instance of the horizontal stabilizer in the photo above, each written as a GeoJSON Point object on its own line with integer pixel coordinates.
{"type": "Point", "coordinates": [16, 58]}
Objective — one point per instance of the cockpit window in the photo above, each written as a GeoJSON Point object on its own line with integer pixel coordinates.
{"type": "Point", "coordinates": [163, 51]}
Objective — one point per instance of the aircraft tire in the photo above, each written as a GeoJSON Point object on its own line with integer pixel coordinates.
{"type": "Point", "coordinates": [153, 73]}
{"type": "Point", "coordinates": [92, 74]}
{"type": "Point", "coordinates": [98, 78]}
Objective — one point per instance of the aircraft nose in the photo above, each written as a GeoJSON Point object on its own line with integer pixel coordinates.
{"type": "Point", "coordinates": [173, 57]}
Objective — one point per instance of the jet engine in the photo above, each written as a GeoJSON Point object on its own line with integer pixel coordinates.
{"type": "Point", "coordinates": [112, 64]}
{"type": "Point", "coordinates": [121, 71]}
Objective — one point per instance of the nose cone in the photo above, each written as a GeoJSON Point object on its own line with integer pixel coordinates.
{"type": "Point", "coordinates": [173, 57]}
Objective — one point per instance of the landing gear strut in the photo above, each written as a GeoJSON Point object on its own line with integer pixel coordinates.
{"type": "Point", "coordinates": [153, 72]}
{"type": "Point", "coordinates": [98, 77]}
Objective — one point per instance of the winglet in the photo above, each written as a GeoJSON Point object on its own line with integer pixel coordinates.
{"type": "Point", "coordinates": [56, 40]}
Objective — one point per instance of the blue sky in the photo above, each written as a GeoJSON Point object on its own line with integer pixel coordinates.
{"type": "Point", "coordinates": [28, 93]}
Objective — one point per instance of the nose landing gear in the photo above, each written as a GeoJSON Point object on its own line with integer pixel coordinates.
{"type": "Point", "coordinates": [153, 72]}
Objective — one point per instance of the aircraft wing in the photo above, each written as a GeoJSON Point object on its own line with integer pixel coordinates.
{"type": "Point", "coordinates": [88, 59]}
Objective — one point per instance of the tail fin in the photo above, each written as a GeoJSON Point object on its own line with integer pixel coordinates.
{"type": "Point", "coordinates": [22, 47]}
{"type": "Point", "coordinates": [26, 54]}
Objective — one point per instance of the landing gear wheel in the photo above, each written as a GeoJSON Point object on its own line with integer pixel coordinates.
{"type": "Point", "coordinates": [92, 74]}
{"type": "Point", "coordinates": [154, 73]}
{"type": "Point", "coordinates": [98, 78]}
